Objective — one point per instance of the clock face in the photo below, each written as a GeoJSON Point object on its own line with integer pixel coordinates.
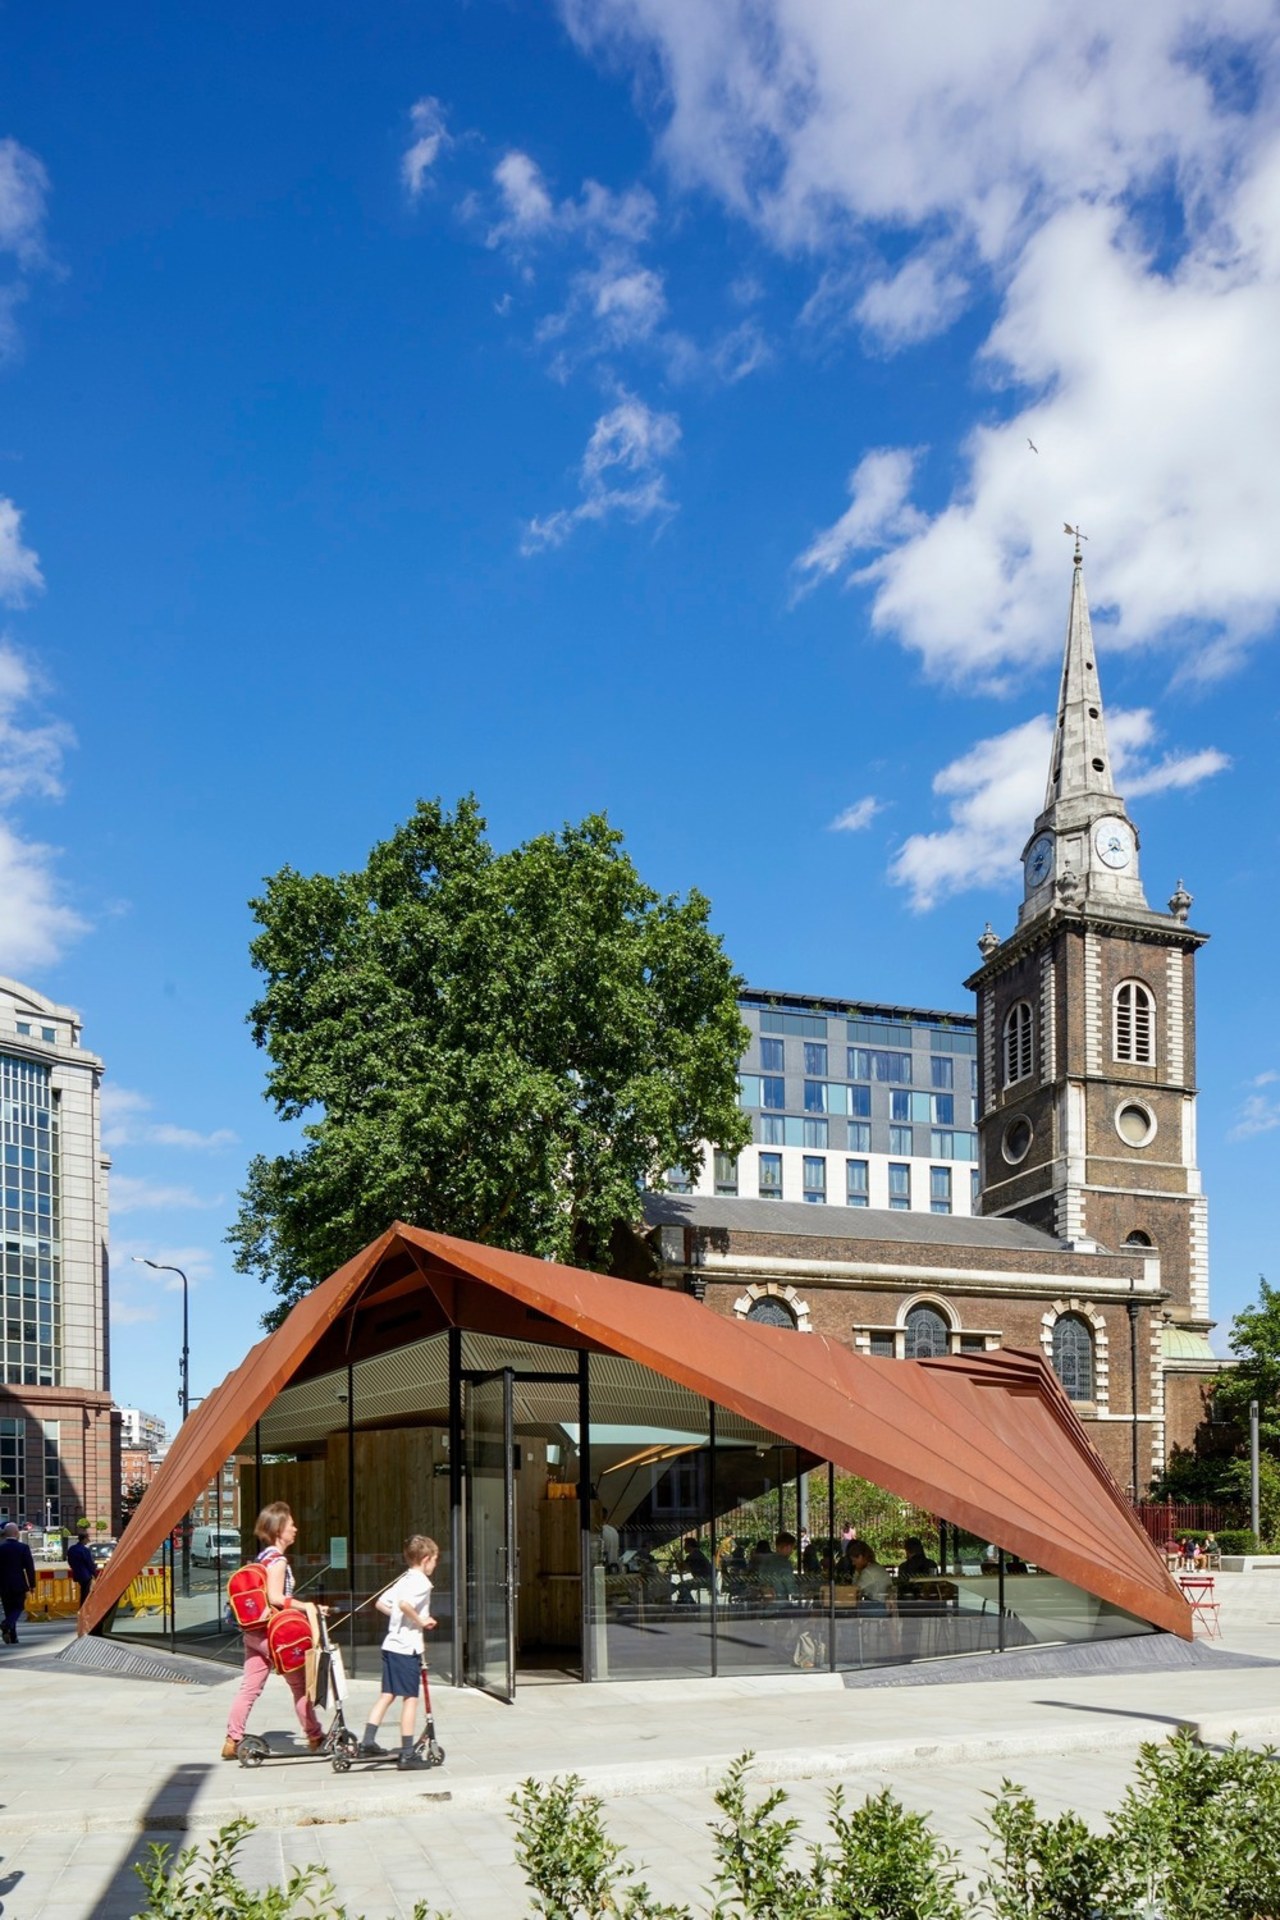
{"type": "Point", "coordinates": [1039, 860]}
{"type": "Point", "coordinates": [1114, 841]}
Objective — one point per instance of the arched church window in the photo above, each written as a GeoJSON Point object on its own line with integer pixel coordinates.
{"type": "Point", "coordinates": [1134, 1021]}
{"type": "Point", "coordinates": [928, 1337]}
{"type": "Point", "coordinates": [1137, 1238]}
{"type": "Point", "coordinates": [1073, 1356]}
{"type": "Point", "coordinates": [1017, 1043]}
{"type": "Point", "coordinates": [769, 1311]}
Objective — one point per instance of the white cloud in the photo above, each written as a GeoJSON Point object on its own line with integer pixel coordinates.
{"type": "Point", "coordinates": [24, 190]}
{"type": "Point", "coordinates": [124, 1125]}
{"type": "Point", "coordinates": [426, 118]}
{"type": "Point", "coordinates": [527, 205]}
{"type": "Point", "coordinates": [853, 819]}
{"type": "Point", "coordinates": [125, 1314]}
{"type": "Point", "coordinates": [879, 512]}
{"type": "Point", "coordinates": [131, 1195]}
{"type": "Point", "coordinates": [35, 925]}
{"type": "Point", "coordinates": [20, 573]}
{"type": "Point", "coordinates": [1258, 1114]}
{"type": "Point", "coordinates": [995, 790]}
{"type": "Point", "coordinates": [621, 473]}
{"type": "Point", "coordinates": [922, 298]}
{"type": "Point", "coordinates": [1031, 162]}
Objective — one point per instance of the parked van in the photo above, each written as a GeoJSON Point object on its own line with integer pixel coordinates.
{"type": "Point", "coordinates": [213, 1546]}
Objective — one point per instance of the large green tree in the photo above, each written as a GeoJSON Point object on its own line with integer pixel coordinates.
{"type": "Point", "coordinates": [507, 1046]}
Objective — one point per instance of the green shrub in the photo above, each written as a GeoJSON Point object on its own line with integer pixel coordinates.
{"type": "Point", "coordinates": [1045, 1869]}
{"type": "Point", "coordinates": [1197, 1836]}
{"type": "Point", "coordinates": [1238, 1540]}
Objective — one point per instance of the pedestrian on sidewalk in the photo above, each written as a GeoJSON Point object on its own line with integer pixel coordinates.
{"type": "Point", "coordinates": [17, 1580]}
{"type": "Point", "coordinates": [81, 1564]}
{"type": "Point", "coordinates": [408, 1607]}
{"type": "Point", "coordinates": [277, 1529]}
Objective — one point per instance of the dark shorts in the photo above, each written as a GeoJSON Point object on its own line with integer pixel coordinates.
{"type": "Point", "coordinates": [401, 1674]}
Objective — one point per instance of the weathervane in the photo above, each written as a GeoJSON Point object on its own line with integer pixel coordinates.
{"type": "Point", "coordinates": [1077, 536]}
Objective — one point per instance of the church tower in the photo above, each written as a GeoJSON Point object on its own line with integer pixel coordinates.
{"type": "Point", "coordinates": [1086, 1022]}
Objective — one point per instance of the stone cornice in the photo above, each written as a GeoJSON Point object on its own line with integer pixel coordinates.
{"type": "Point", "coordinates": [1157, 928]}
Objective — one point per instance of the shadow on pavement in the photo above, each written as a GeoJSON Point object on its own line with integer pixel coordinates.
{"type": "Point", "coordinates": [1121, 1713]}
{"type": "Point", "coordinates": [163, 1820]}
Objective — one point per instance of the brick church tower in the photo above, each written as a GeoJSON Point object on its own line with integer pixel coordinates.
{"type": "Point", "coordinates": [1086, 1024]}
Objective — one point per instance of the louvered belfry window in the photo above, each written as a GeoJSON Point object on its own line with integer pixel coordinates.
{"type": "Point", "coordinates": [1135, 1023]}
{"type": "Point", "coordinates": [1017, 1043]}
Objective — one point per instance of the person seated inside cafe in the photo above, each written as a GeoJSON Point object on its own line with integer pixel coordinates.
{"type": "Point", "coordinates": [872, 1581]}
{"type": "Point", "coordinates": [776, 1570]}
{"type": "Point", "coordinates": [916, 1565]}
{"type": "Point", "coordinates": [694, 1564]}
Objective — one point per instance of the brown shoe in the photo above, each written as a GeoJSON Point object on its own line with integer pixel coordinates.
{"type": "Point", "coordinates": [230, 1749]}
{"type": "Point", "coordinates": [315, 1741]}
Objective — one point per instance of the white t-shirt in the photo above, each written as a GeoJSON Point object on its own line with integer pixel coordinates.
{"type": "Point", "coordinates": [873, 1581]}
{"type": "Point", "coordinates": [402, 1636]}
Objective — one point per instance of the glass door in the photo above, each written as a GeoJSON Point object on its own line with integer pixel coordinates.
{"type": "Point", "coordinates": [492, 1573]}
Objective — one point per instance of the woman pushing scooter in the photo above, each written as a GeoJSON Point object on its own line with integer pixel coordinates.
{"type": "Point", "coordinates": [277, 1529]}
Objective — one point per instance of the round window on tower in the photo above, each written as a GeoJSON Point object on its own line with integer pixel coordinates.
{"type": "Point", "coordinates": [1016, 1144]}
{"type": "Point", "coordinates": [1135, 1123]}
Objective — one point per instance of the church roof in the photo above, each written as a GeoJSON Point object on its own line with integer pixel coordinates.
{"type": "Point", "coordinates": [1080, 763]}
{"type": "Point", "coordinates": [791, 1217]}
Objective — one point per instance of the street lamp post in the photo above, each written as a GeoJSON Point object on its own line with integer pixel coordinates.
{"type": "Point", "coordinates": [184, 1397]}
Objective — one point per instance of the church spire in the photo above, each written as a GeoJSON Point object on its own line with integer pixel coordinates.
{"type": "Point", "coordinates": [1083, 848]}
{"type": "Point", "coordinates": [1079, 762]}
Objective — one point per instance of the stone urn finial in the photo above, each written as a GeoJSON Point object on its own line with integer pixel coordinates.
{"type": "Point", "coordinates": [988, 941]}
{"type": "Point", "coordinates": [1180, 902]}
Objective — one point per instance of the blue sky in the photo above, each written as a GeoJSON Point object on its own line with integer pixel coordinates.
{"type": "Point", "coordinates": [623, 406]}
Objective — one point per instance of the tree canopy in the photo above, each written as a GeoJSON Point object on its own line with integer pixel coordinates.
{"type": "Point", "coordinates": [505, 1046]}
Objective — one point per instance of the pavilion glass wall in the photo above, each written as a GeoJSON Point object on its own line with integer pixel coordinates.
{"type": "Point", "coordinates": [618, 1471]}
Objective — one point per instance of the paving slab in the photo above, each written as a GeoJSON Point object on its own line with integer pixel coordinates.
{"type": "Point", "coordinates": [98, 1764]}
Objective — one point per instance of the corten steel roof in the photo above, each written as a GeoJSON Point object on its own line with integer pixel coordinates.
{"type": "Point", "coordinates": [988, 1441]}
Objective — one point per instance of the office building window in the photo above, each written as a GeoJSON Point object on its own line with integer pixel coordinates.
{"type": "Point", "coordinates": [771, 1176]}
{"type": "Point", "coordinates": [773, 1092]}
{"type": "Point", "coordinates": [857, 1184]}
{"type": "Point", "coordinates": [772, 1056]}
{"type": "Point", "coordinates": [899, 1187]}
{"type": "Point", "coordinates": [815, 1096]}
{"type": "Point", "coordinates": [939, 1189]}
{"type": "Point", "coordinates": [52, 1473]}
{"type": "Point", "coordinates": [772, 1130]}
{"type": "Point", "coordinates": [900, 1140]}
{"type": "Point", "coordinates": [943, 1070]}
{"type": "Point", "coordinates": [749, 1085]}
{"type": "Point", "coordinates": [815, 1133]}
{"type": "Point", "coordinates": [1017, 1043]}
{"type": "Point", "coordinates": [815, 1179]}
{"type": "Point", "coordinates": [927, 1335]}
{"type": "Point", "coordinates": [1073, 1356]}
{"type": "Point", "coordinates": [1134, 1021]}
{"type": "Point", "coordinates": [815, 1057]}
{"type": "Point", "coordinates": [678, 1180]}
{"type": "Point", "coordinates": [30, 1226]}
{"type": "Point", "coordinates": [873, 1063]}
{"type": "Point", "coordinates": [859, 1136]}
{"type": "Point", "coordinates": [943, 1109]}
{"type": "Point", "coordinates": [860, 1102]}
{"type": "Point", "coordinates": [973, 1188]}
{"type": "Point", "coordinates": [13, 1469]}
{"type": "Point", "coordinates": [882, 1347]}
{"type": "Point", "coordinates": [726, 1172]}
{"type": "Point", "coordinates": [946, 1145]}
{"type": "Point", "coordinates": [899, 1104]}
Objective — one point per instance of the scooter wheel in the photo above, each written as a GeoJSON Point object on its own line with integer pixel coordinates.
{"type": "Point", "coordinates": [253, 1751]}
{"type": "Point", "coordinates": [345, 1748]}
{"type": "Point", "coordinates": [435, 1754]}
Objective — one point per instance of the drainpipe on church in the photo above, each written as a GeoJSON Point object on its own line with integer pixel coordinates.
{"type": "Point", "coordinates": [1132, 1305]}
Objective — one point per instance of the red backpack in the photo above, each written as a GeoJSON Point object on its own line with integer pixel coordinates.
{"type": "Point", "coordinates": [291, 1634]}
{"type": "Point", "coordinates": [247, 1595]}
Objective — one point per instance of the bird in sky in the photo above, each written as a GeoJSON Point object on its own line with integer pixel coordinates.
{"type": "Point", "coordinates": [1031, 443]}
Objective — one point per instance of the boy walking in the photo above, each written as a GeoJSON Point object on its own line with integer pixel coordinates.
{"type": "Point", "coordinates": [408, 1607]}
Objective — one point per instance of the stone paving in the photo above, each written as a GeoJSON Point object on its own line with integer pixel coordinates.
{"type": "Point", "coordinates": [97, 1766]}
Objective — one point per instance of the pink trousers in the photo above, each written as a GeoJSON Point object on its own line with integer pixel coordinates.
{"type": "Point", "coordinates": [257, 1671]}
